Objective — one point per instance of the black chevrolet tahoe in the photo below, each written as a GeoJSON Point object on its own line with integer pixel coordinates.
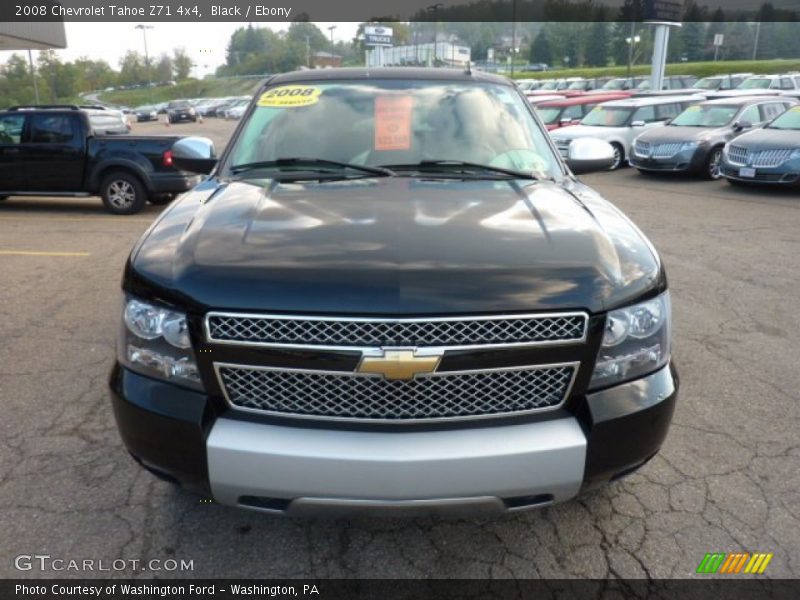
{"type": "Point", "coordinates": [391, 294]}
{"type": "Point", "coordinates": [67, 150]}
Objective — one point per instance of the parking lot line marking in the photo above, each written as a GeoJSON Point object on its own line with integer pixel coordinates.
{"type": "Point", "coordinates": [35, 253]}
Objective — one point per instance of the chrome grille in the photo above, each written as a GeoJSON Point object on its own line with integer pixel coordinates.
{"type": "Point", "coordinates": [435, 332]}
{"type": "Point", "coordinates": [641, 148]}
{"type": "Point", "coordinates": [770, 158]}
{"type": "Point", "coordinates": [737, 155]}
{"type": "Point", "coordinates": [666, 150]}
{"type": "Point", "coordinates": [341, 395]}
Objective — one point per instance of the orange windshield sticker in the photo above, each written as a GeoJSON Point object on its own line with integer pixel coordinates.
{"type": "Point", "coordinates": [393, 122]}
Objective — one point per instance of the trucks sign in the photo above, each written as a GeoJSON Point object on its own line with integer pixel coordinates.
{"type": "Point", "coordinates": [378, 36]}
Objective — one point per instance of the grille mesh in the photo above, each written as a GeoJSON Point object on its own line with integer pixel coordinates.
{"type": "Point", "coordinates": [739, 155]}
{"type": "Point", "coordinates": [441, 396]}
{"type": "Point", "coordinates": [344, 333]}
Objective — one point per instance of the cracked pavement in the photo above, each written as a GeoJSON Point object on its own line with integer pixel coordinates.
{"type": "Point", "coordinates": [727, 478]}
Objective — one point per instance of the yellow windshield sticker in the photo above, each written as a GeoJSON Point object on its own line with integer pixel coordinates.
{"type": "Point", "coordinates": [694, 108]}
{"type": "Point", "coordinates": [290, 96]}
{"type": "Point", "coordinates": [795, 109]}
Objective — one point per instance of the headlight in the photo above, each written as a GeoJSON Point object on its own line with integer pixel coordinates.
{"type": "Point", "coordinates": [636, 341]}
{"type": "Point", "coordinates": [191, 111]}
{"type": "Point", "coordinates": [794, 154]}
{"type": "Point", "coordinates": [689, 145]}
{"type": "Point", "coordinates": [155, 341]}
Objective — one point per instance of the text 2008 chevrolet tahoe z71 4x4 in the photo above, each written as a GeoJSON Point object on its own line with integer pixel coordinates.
{"type": "Point", "coordinates": [391, 293]}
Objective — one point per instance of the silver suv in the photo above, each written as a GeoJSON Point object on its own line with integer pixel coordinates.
{"type": "Point", "coordinates": [618, 122]}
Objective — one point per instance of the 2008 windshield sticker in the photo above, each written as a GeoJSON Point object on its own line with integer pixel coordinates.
{"type": "Point", "coordinates": [290, 96]}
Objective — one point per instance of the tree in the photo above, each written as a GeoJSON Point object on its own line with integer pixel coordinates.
{"type": "Point", "coordinates": [597, 44]}
{"type": "Point", "coordinates": [182, 64]}
{"type": "Point", "coordinates": [163, 69]}
{"type": "Point", "coordinates": [132, 69]}
{"type": "Point", "coordinates": [541, 52]}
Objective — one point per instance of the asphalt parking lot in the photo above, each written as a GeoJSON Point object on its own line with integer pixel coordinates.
{"type": "Point", "coordinates": [727, 479]}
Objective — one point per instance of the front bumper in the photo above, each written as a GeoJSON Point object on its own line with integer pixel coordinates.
{"type": "Point", "coordinates": [786, 174]}
{"type": "Point", "coordinates": [176, 434]}
{"type": "Point", "coordinates": [686, 161]}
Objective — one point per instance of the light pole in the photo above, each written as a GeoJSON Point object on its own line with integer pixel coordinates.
{"type": "Point", "coordinates": [755, 43]}
{"type": "Point", "coordinates": [33, 77]}
{"type": "Point", "coordinates": [435, 9]}
{"type": "Point", "coordinates": [513, 34]}
{"type": "Point", "coordinates": [631, 41]}
{"type": "Point", "coordinates": [331, 28]}
{"type": "Point", "coordinates": [144, 29]}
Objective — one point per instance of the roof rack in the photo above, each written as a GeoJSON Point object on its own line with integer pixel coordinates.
{"type": "Point", "coordinates": [46, 107]}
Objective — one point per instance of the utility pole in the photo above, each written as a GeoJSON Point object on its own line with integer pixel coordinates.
{"type": "Point", "coordinates": [308, 53]}
{"type": "Point", "coordinates": [144, 29]}
{"type": "Point", "coordinates": [33, 77]}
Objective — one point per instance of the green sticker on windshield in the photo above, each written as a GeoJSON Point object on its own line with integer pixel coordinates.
{"type": "Point", "coordinates": [694, 108]}
{"type": "Point", "coordinates": [290, 96]}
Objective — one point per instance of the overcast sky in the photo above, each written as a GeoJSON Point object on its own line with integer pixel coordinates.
{"type": "Point", "coordinates": [205, 42]}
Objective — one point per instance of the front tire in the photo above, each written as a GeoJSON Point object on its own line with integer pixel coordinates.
{"type": "Point", "coordinates": [123, 193]}
{"type": "Point", "coordinates": [619, 157]}
{"type": "Point", "coordinates": [161, 199]}
{"type": "Point", "coordinates": [713, 168]}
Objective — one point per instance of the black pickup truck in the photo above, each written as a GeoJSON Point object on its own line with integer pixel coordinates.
{"type": "Point", "coordinates": [59, 151]}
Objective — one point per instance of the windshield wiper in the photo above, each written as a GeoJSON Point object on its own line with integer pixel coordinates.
{"type": "Point", "coordinates": [463, 166]}
{"type": "Point", "coordinates": [320, 163]}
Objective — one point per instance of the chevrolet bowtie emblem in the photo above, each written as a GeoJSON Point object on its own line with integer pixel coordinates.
{"type": "Point", "coordinates": [399, 364]}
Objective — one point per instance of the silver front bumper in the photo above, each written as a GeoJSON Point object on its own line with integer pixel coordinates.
{"type": "Point", "coordinates": [334, 471]}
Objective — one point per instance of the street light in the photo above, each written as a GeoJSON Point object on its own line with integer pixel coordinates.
{"type": "Point", "coordinates": [144, 29]}
{"type": "Point", "coordinates": [435, 9]}
{"type": "Point", "coordinates": [331, 28]}
{"type": "Point", "coordinates": [631, 41]}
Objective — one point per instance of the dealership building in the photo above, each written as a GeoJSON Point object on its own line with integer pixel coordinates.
{"type": "Point", "coordinates": [443, 53]}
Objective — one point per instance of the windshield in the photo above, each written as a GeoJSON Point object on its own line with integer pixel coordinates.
{"type": "Point", "coordinates": [578, 85]}
{"type": "Point", "coordinates": [390, 122]}
{"type": "Point", "coordinates": [614, 84]}
{"type": "Point", "coordinates": [608, 116]}
{"type": "Point", "coordinates": [104, 123]}
{"type": "Point", "coordinates": [755, 83]}
{"type": "Point", "coordinates": [549, 85]}
{"type": "Point", "coordinates": [549, 114]}
{"type": "Point", "coordinates": [788, 120]}
{"type": "Point", "coordinates": [705, 116]}
{"type": "Point", "coordinates": [708, 83]}
{"type": "Point", "coordinates": [179, 104]}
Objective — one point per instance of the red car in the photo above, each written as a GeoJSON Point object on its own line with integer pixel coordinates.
{"type": "Point", "coordinates": [569, 111]}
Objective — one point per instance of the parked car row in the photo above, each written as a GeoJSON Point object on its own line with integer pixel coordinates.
{"type": "Point", "coordinates": [743, 138]}
{"type": "Point", "coordinates": [737, 84]}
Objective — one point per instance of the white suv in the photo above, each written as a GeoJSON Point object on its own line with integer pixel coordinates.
{"type": "Point", "coordinates": [618, 122]}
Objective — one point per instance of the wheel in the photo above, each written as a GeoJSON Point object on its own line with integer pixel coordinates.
{"type": "Point", "coordinates": [123, 193]}
{"type": "Point", "coordinates": [161, 199]}
{"type": "Point", "coordinates": [712, 167]}
{"type": "Point", "coordinates": [619, 157]}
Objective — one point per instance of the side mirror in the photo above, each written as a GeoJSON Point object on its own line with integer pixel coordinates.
{"type": "Point", "coordinates": [637, 124]}
{"type": "Point", "coordinates": [668, 121]}
{"type": "Point", "coordinates": [194, 154]}
{"type": "Point", "coordinates": [589, 154]}
{"type": "Point", "coordinates": [742, 125]}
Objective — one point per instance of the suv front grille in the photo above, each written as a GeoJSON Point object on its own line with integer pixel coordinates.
{"type": "Point", "coordinates": [327, 332]}
{"type": "Point", "coordinates": [445, 395]}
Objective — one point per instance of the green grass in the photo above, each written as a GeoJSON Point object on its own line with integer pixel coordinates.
{"type": "Point", "coordinates": [700, 69]}
{"type": "Point", "coordinates": [193, 88]}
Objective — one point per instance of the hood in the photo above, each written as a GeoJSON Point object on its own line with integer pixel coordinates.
{"type": "Point", "coordinates": [768, 139]}
{"type": "Point", "coordinates": [394, 246]}
{"type": "Point", "coordinates": [674, 133]}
